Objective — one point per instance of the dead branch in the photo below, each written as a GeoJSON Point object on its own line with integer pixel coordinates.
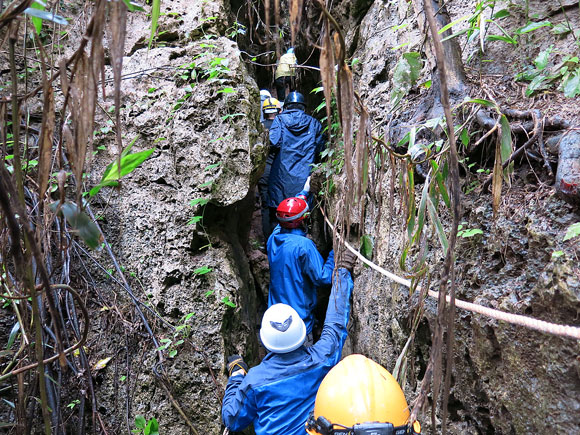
{"type": "Point", "coordinates": [67, 351]}
{"type": "Point", "coordinates": [514, 155]}
{"type": "Point", "coordinates": [448, 274]}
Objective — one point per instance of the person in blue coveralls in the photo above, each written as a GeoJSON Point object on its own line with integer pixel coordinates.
{"type": "Point", "coordinates": [297, 140]}
{"type": "Point", "coordinates": [277, 395]}
{"type": "Point", "coordinates": [297, 269]}
{"type": "Point", "coordinates": [271, 108]}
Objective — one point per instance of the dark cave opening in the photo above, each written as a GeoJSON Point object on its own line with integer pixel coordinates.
{"type": "Point", "coordinates": [259, 54]}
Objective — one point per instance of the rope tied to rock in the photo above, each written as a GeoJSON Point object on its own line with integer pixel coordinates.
{"type": "Point", "coordinates": [514, 319]}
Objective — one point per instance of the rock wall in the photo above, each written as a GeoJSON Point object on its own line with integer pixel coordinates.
{"type": "Point", "coordinates": [506, 379]}
{"type": "Point", "coordinates": [191, 99]}
{"type": "Point", "coordinates": [208, 145]}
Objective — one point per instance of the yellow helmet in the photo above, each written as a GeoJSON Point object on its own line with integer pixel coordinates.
{"type": "Point", "coordinates": [361, 396]}
{"type": "Point", "coordinates": [271, 105]}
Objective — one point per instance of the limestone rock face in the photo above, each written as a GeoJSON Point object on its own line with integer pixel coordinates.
{"type": "Point", "coordinates": [507, 379]}
{"type": "Point", "coordinates": [191, 99]}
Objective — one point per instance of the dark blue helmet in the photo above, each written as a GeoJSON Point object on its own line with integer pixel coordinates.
{"type": "Point", "coordinates": [295, 97]}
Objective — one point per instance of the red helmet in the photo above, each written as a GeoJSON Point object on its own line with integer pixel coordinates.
{"type": "Point", "coordinates": [292, 211]}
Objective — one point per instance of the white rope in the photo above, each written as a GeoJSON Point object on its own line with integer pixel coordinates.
{"type": "Point", "coordinates": [515, 319]}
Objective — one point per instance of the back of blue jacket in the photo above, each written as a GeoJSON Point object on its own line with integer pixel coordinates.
{"type": "Point", "coordinates": [277, 395]}
{"type": "Point", "coordinates": [297, 138]}
{"type": "Point", "coordinates": [296, 271]}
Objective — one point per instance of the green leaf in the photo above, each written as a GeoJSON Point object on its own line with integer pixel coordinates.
{"type": "Point", "coordinates": [226, 91]}
{"type": "Point", "coordinates": [571, 85]}
{"type": "Point", "coordinates": [13, 335]}
{"type": "Point", "coordinates": [133, 7]}
{"type": "Point", "coordinates": [405, 75]}
{"type": "Point", "coordinates": [455, 35]}
{"type": "Point", "coordinates": [541, 61]}
{"type": "Point", "coordinates": [209, 167]}
{"type": "Point", "coordinates": [403, 258]}
{"type": "Point", "coordinates": [572, 231]}
{"type": "Point", "coordinates": [198, 201]}
{"type": "Point", "coordinates": [557, 254]}
{"type": "Point", "coordinates": [140, 422]}
{"type": "Point", "coordinates": [533, 26]}
{"type": "Point", "coordinates": [172, 353]}
{"type": "Point", "coordinates": [501, 14]}
{"type": "Point", "coordinates": [80, 223]}
{"type": "Point", "coordinates": [507, 39]}
{"type": "Point", "coordinates": [366, 246]}
{"type": "Point", "coordinates": [470, 232]}
{"type": "Point", "coordinates": [528, 74]}
{"type": "Point", "coordinates": [202, 270]}
{"type": "Point", "coordinates": [506, 139]}
{"type": "Point", "coordinates": [440, 183]}
{"type": "Point", "coordinates": [226, 300]}
{"type": "Point", "coordinates": [561, 29]}
{"type": "Point", "coordinates": [438, 226]}
{"type": "Point", "coordinates": [481, 101]}
{"type": "Point", "coordinates": [464, 137]}
{"type": "Point", "coordinates": [421, 214]}
{"type": "Point", "coordinates": [194, 220]}
{"type": "Point", "coordinates": [155, 11]}
{"type": "Point", "coordinates": [187, 317]}
{"type": "Point", "coordinates": [46, 16]}
{"type": "Point", "coordinates": [416, 64]}
{"type": "Point", "coordinates": [453, 23]}
{"type": "Point", "coordinates": [233, 115]}
{"type": "Point", "coordinates": [129, 163]}
{"type": "Point", "coordinates": [37, 22]}
{"type": "Point", "coordinates": [537, 84]}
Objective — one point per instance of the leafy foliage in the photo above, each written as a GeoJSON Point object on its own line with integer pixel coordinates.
{"type": "Point", "coordinates": [43, 169]}
{"type": "Point", "coordinates": [366, 246]}
{"type": "Point", "coordinates": [155, 12]}
{"type": "Point", "coordinates": [544, 74]}
{"type": "Point", "coordinates": [202, 270]}
{"type": "Point", "coordinates": [80, 223]}
{"type": "Point", "coordinates": [468, 232]}
{"type": "Point", "coordinates": [405, 76]}
{"type": "Point", "coordinates": [227, 302]}
{"type": "Point", "coordinates": [39, 14]}
{"type": "Point", "coordinates": [145, 427]}
{"type": "Point", "coordinates": [129, 162]}
{"type": "Point", "coordinates": [572, 231]}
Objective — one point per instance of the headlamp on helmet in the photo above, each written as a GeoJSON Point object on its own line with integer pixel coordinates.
{"type": "Point", "coordinates": [358, 396]}
{"type": "Point", "coordinates": [321, 426]}
{"type": "Point", "coordinates": [271, 105]}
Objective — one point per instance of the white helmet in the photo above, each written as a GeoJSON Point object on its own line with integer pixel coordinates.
{"type": "Point", "coordinates": [264, 93]}
{"type": "Point", "coordinates": [282, 329]}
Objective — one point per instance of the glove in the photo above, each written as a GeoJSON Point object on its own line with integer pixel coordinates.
{"type": "Point", "coordinates": [235, 363]}
{"type": "Point", "coordinates": [347, 260]}
{"type": "Point", "coordinates": [307, 185]}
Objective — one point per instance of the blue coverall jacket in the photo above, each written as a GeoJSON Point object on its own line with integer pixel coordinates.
{"type": "Point", "coordinates": [278, 394]}
{"type": "Point", "coordinates": [298, 140]}
{"type": "Point", "coordinates": [296, 270]}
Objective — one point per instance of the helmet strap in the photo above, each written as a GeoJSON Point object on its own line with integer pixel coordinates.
{"type": "Point", "coordinates": [325, 427]}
